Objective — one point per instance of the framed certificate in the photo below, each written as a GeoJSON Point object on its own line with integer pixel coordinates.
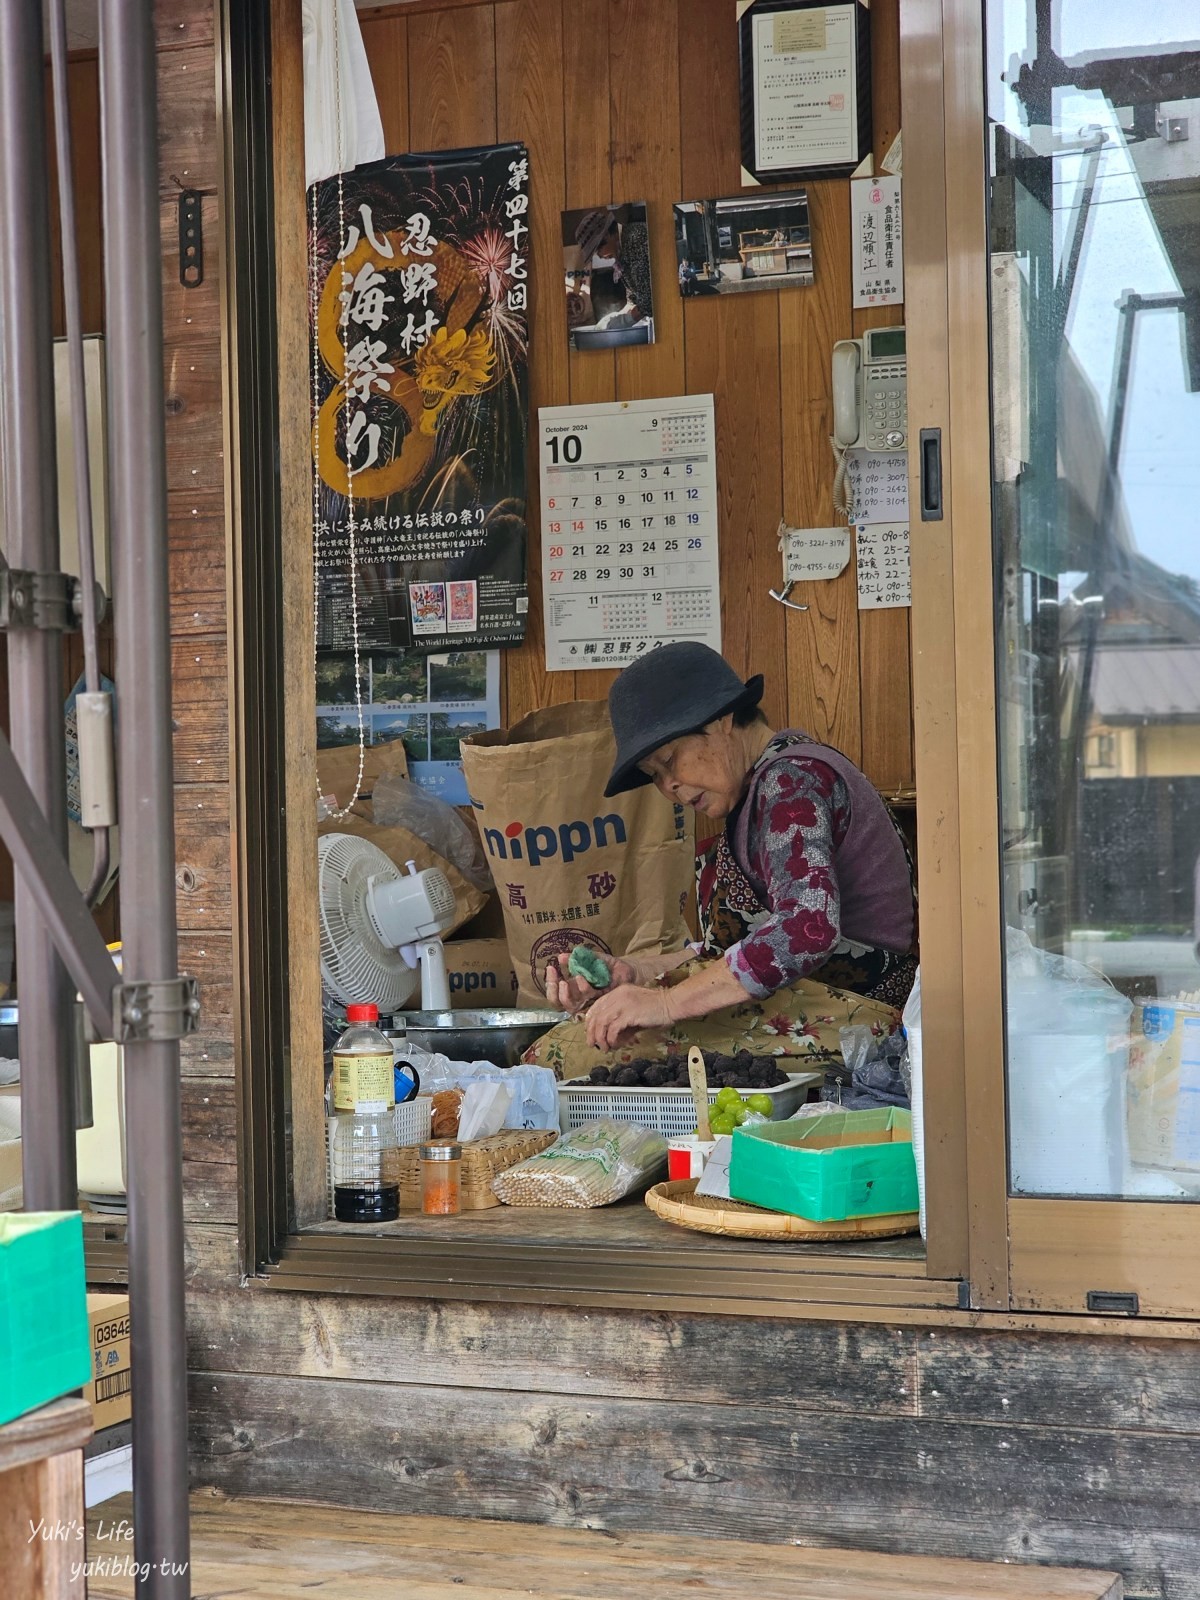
{"type": "Point", "coordinates": [805, 89]}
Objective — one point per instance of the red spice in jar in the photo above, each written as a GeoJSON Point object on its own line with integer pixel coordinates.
{"type": "Point", "coordinates": [441, 1179]}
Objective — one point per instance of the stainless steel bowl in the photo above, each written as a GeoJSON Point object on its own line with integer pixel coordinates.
{"type": "Point", "coordinates": [501, 1037]}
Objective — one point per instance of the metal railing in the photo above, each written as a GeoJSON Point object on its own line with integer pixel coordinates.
{"type": "Point", "coordinates": [58, 946]}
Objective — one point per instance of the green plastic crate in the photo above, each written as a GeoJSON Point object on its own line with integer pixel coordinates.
{"type": "Point", "coordinates": [45, 1350]}
{"type": "Point", "coordinates": [828, 1168]}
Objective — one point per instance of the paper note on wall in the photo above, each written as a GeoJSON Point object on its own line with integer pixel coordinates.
{"type": "Point", "coordinates": [879, 481]}
{"type": "Point", "coordinates": [810, 554]}
{"type": "Point", "coordinates": [884, 579]}
{"type": "Point", "coordinates": [876, 242]}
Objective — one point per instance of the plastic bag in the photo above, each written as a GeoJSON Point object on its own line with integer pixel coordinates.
{"type": "Point", "coordinates": [534, 1089]}
{"type": "Point", "coordinates": [484, 1109]}
{"type": "Point", "coordinates": [916, 1086]}
{"type": "Point", "coordinates": [1068, 1056]}
{"type": "Point", "coordinates": [878, 1070]}
{"type": "Point", "coordinates": [400, 804]}
{"type": "Point", "coordinates": [592, 1166]}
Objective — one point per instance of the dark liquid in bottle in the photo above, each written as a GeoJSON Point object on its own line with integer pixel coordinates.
{"type": "Point", "coordinates": [375, 1202]}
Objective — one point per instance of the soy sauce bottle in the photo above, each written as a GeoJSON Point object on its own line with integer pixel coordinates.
{"type": "Point", "coordinates": [366, 1183]}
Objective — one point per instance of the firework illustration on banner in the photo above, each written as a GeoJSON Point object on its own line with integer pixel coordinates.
{"type": "Point", "coordinates": [419, 294]}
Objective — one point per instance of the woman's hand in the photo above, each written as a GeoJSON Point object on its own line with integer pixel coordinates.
{"type": "Point", "coordinates": [620, 1013]}
{"type": "Point", "coordinates": [567, 993]}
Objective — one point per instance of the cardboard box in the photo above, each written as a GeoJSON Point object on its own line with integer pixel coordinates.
{"type": "Point", "coordinates": [43, 1318]}
{"type": "Point", "coordinates": [108, 1390]}
{"type": "Point", "coordinates": [828, 1168]}
{"type": "Point", "coordinates": [481, 975]}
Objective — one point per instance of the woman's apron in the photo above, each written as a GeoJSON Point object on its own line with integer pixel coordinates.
{"type": "Point", "coordinates": [803, 1019]}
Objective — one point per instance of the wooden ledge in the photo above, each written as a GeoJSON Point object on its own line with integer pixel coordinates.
{"type": "Point", "coordinates": [48, 1431]}
{"type": "Point", "coordinates": [260, 1549]}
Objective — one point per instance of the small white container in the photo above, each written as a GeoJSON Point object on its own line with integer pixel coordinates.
{"type": "Point", "coordinates": [687, 1154]}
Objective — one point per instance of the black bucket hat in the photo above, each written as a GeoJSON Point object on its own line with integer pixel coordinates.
{"type": "Point", "coordinates": [673, 691]}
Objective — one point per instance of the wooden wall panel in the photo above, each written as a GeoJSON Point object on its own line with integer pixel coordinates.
{"type": "Point", "coordinates": [452, 78]}
{"type": "Point", "coordinates": [189, 150]}
{"type": "Point", "coordinates": [822, 642]}
{"type": "Point", "coordinates": [530, 106]}
{"type": "Point", "coordinates": [638, 99]}
{"type": "Point", "coordinates": [587, 148]}
{"type": "Point", "coordinates": [733, 350]}
{"type": "Point", "coordinates": [388, 53]}
{"type": "Point", "coordinates": [197, 533]}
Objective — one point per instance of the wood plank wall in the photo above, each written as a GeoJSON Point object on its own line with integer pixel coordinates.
{"type": "Point", "coordinates": [189, 156]}
{"type": "Point", "coordinates": [638, 99]}
{"type": "Point", "coordinates": [1008, 1446]}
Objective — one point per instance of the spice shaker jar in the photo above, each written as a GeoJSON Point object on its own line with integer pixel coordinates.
{"type": "Point", "coordinates": [441, 1179]}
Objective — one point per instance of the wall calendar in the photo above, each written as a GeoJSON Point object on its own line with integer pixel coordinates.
{"type": "Point", "coordinates": [629, 529]}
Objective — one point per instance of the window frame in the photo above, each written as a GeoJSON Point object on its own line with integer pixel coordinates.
{"type": "Point", "coordinates": [277, 1012]}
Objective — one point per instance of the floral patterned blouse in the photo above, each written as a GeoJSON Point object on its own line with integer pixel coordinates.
{"type": "Point", "coordinates": [801, 814]}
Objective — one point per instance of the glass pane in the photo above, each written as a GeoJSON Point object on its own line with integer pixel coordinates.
{"type": "Point", "coordinates": [1095, 306]}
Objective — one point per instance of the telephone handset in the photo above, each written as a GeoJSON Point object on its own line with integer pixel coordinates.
{"type": "Point", "coordinates": [870, 402]}
{"type": "Point", "coordinates": [870, 391]}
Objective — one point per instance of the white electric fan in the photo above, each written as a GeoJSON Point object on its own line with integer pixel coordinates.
{"type": "Point", "coordinates": [379, 926]}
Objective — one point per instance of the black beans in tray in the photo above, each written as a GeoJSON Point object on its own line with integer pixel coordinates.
{"type": "Point", "coordinates": [742, 1071]}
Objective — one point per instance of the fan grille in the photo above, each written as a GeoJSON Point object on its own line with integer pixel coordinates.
{"type": "Point", "coordinates": [356, 966]}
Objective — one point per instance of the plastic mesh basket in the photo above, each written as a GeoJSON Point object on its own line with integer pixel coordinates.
{"type": "Point", "coordinates": [666, 1111]}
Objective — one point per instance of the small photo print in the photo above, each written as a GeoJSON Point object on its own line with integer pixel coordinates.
{"type": "Point", "coordinates": [335, 681]}
{"type": "Point", "coordinates": [606, 264]}
{"type": "Point", "coordinates": [428, 604]}
{"type": "Point", "coordinates": [413, 731]}
{"type": "Point", "coordinates": [339, 727]}
{"type": "Point", "coordinates": [446, 730]}
{"type": "Point", "coordinates": [743, 243]}
{"type": "Point", "coordinates": [462, 604]}
{"type": "Point", "coordinates": [398, 680]}
{"type": "Point", "coordinates": [460, 675]}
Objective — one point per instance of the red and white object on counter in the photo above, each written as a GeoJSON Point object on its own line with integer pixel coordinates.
{"type": "Point", "coordinates": [687, 1154]}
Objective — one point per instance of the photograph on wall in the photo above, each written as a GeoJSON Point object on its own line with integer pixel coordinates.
{"type": "Point", "coordinates": [743, 243]}
{"type": "Point", "coordinates": [429, 702]}
{"type": "Point", "coordinates": [419, 275]}
{"type": "Point", "coordinates": [606, 264]}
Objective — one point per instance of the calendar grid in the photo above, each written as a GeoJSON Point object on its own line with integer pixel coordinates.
{"type": "Point", "coordinates": [629, 529]}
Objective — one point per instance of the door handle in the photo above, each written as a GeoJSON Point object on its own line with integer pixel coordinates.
{"type": "Point", "coordinates": [931, 474]}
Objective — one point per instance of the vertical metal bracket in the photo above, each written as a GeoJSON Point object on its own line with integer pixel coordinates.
{"type": "Point", "coordinates": [191, 239]}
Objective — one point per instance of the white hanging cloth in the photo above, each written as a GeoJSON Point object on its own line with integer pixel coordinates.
{"type": "Point", "coordinates": [335, 59]}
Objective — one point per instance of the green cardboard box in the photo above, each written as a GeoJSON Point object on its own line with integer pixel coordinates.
{"type": "Point", "coordinates": [45, 1346]}
{"type": "Point", "coordinates": [828, 1168]}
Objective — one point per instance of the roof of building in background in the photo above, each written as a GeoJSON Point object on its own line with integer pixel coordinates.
{"type": "Point", "coordinates": [1144, 682]}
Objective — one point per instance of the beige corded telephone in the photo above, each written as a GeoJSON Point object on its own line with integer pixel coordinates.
{"type": "Point", "coordinates": [870, 401]}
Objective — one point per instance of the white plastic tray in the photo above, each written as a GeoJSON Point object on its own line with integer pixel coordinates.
{"type": "Point", "coordinates": [667, 1111]}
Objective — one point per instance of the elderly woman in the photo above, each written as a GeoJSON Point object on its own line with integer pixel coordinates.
{"type": "Point", "coordinates": [805, 899]}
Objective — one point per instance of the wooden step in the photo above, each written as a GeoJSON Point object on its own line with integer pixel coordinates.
{"type": "Point", "coordinates": [270, 1550]}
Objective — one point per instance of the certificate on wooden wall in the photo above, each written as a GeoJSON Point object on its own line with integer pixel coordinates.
{"type": "Point", "coordinates": [805, 88]}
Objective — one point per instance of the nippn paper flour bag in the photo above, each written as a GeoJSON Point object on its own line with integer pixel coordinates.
{"type": "Point", "coordinates": [570, 866]}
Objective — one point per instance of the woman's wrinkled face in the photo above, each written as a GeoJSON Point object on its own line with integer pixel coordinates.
{"type": "Point", "coordinates": [705, 770]}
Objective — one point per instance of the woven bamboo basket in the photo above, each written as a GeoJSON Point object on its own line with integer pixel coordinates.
{"type": "Point", "coordinates": [482, 1159]}
{"type": "Point", "coordinates": [677, 1201]}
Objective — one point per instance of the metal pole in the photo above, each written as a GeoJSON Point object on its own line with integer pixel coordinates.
{"type": "Point", "coordinates": [79, 427]}
{"type": "Point", "coordinates": [137, 476]}
{"type": "Point", "coordinates": [34, 654]}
